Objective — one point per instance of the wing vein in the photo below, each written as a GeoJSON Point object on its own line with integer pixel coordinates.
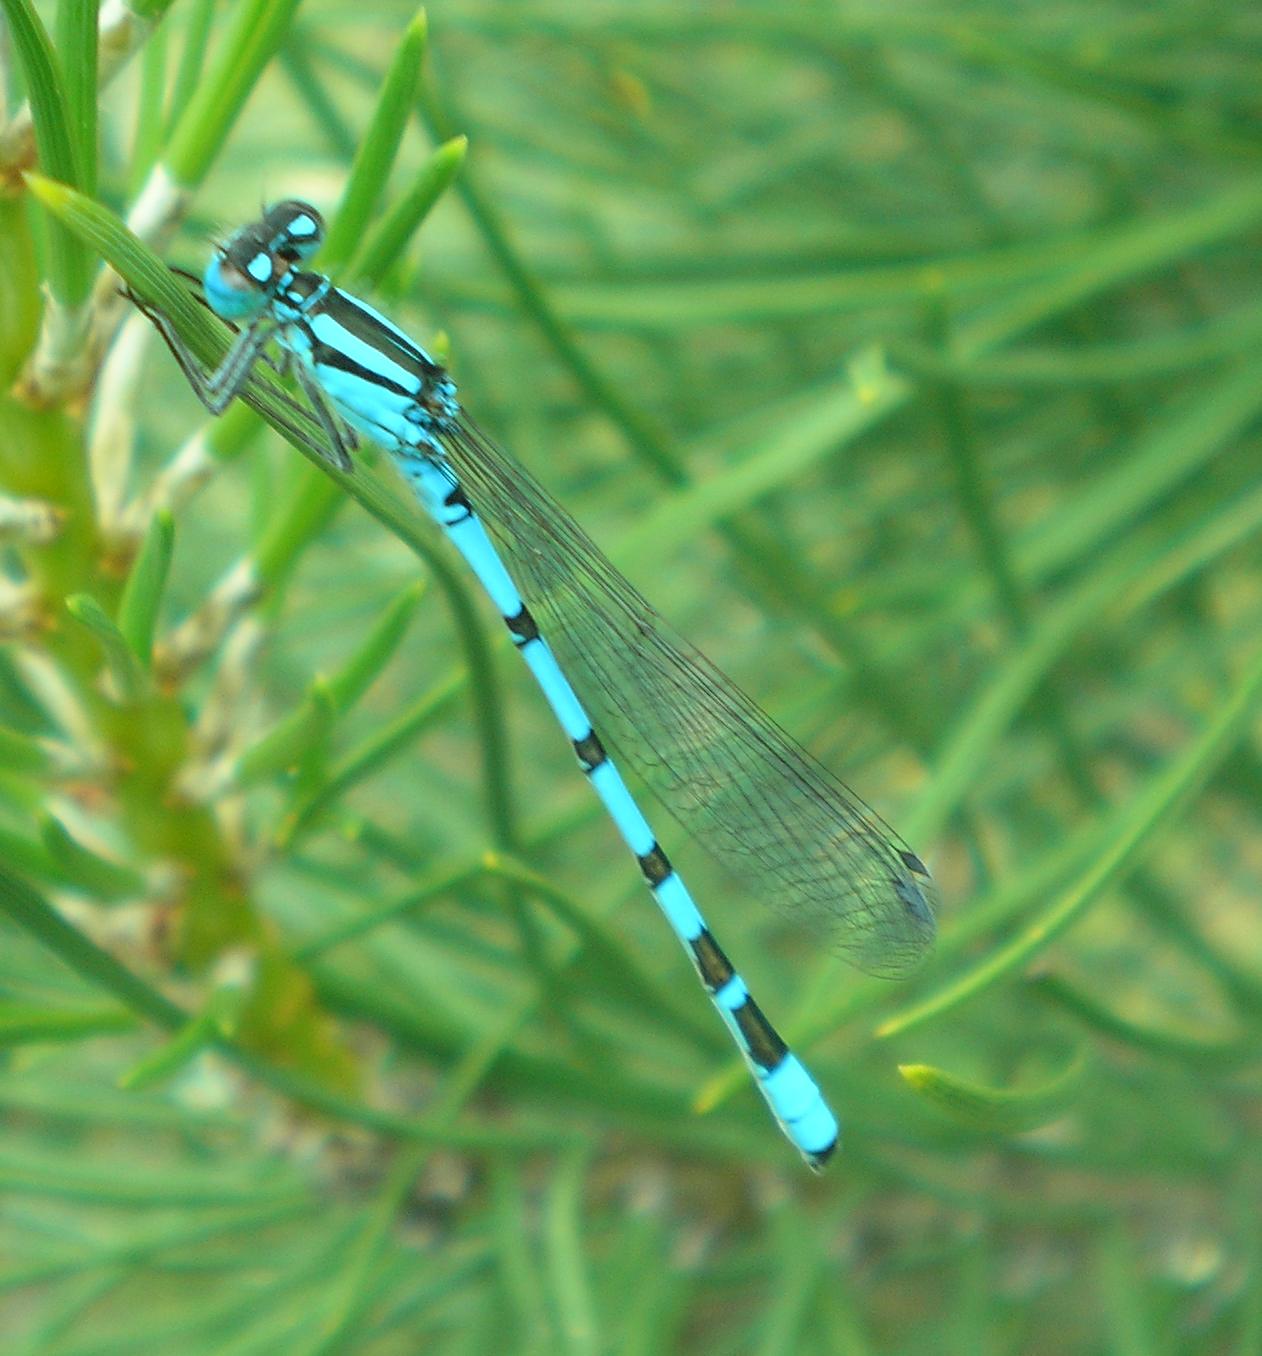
{"type": "Point", "coordinates": [757, 801]}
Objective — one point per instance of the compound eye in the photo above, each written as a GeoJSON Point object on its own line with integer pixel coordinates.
{"type": "Point", "coordinates": [237, 287]}
{"type": "Point", "coordinates": [295, 229]}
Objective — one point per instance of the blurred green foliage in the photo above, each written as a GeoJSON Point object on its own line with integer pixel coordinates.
{"type": "Point", "coordinates": [910, 360]}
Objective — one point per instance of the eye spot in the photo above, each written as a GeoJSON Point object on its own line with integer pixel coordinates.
{"type": "Point", "coordinates": [260, 267]}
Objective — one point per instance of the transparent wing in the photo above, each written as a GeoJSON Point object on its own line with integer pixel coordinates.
{"type": "Point", "coordinates": [788, 829]}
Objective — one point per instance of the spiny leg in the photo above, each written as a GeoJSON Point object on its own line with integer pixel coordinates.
{"type": "Point", "coordinates": [341, 441]}
{"type": "Point", "coordinates": [218, 389]}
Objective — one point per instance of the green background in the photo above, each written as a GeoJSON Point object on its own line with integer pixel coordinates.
{"type": "Point", "coordinates": [909, 358]}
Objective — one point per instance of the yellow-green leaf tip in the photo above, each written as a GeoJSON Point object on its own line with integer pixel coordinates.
{"type": "Point", "coordinates": [48, 191]}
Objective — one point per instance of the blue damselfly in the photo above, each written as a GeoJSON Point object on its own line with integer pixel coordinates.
{"type": "Point", "coordinates": [782, 822]}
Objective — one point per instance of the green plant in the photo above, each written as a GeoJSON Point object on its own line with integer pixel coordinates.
{"type": "Point", "coordinates": [910, 361]}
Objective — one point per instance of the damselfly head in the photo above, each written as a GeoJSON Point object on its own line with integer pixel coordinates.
{"type": "Point", "coordinates": [249, 268]}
